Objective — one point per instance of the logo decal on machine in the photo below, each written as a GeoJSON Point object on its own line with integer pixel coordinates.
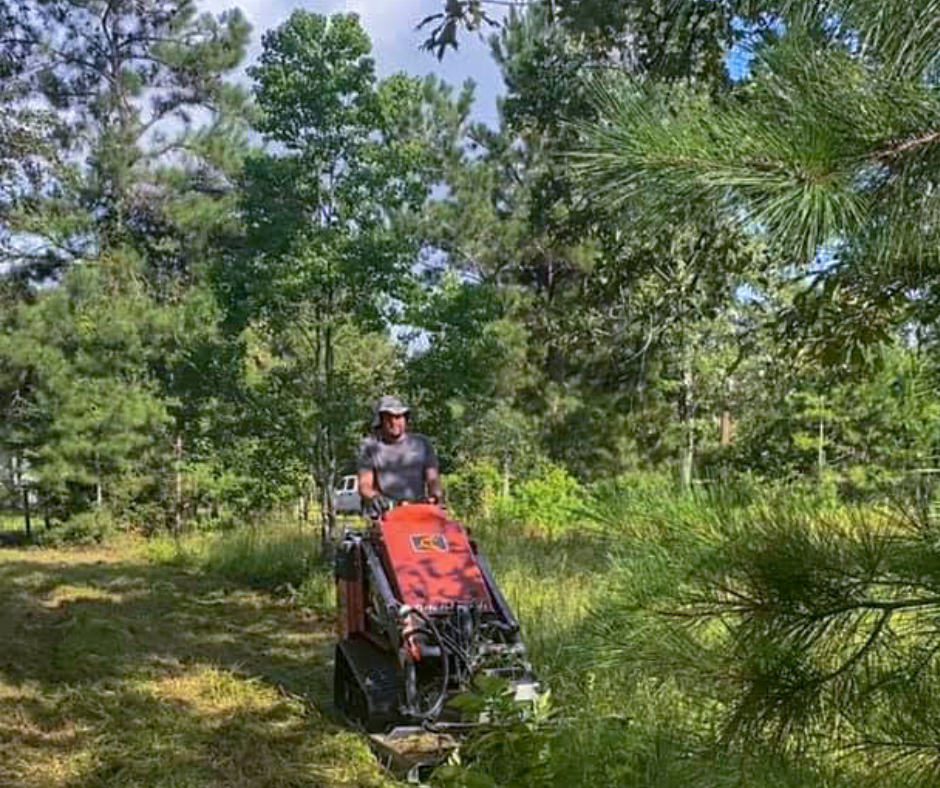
{"type": "Point", "coordinates": [429, 543]}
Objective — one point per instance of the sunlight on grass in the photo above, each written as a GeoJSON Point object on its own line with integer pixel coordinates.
{"type": "Point", "coordinates": [135, 674]}
{"type": "Point", "coordinates": [65, 594]}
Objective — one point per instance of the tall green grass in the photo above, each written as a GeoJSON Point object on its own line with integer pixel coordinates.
{"type": "Point", "coordinates": [633, 703]}
{"type": "Point", "coordinates": [637, 695]}
{"type": "Point", "coordinates": [279, 556]}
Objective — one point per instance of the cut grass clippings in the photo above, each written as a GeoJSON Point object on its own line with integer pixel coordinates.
{"type": "Point", "coordinates": [116, 672]}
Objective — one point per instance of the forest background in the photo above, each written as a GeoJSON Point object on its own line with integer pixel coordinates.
{"type": "Point", "coordinates": [697, 255]}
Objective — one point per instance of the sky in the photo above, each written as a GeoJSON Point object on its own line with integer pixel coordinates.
{"type": "Point", "coordinates": [396, 43]}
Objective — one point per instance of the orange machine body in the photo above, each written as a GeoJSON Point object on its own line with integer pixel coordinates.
{"type": "Point", "coordinates": [430, 560]}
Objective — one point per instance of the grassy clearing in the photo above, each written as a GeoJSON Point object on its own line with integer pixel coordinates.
{"type": "Point", "coordinates": [628, 711]}
{"type": "Point", "coordinates": [116, 671]}
{"type": "Point", "coordinates": [162, 664]}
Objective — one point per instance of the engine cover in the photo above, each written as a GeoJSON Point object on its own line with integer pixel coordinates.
{"type": "Point", "coordinates": [430, 561]}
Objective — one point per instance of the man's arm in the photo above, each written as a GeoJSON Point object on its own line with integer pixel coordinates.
{"type": "Point", "coordinates": [432, 473]}
{"type": "Point", "coordinates": [365, 473]}
{"type": "Point", "coordinates": [432, 478]}
{"type": "Point", "coordinates": [367, 484]}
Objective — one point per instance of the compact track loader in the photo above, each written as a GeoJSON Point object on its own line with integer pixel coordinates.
{"type": "Point", "coordinates": [419, 616]}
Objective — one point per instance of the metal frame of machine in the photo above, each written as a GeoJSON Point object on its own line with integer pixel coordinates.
{"type": "Point", "coordinates": [419, 616]}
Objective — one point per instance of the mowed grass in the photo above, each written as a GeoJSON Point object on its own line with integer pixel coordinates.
{"type": "Point", "coordinates": [118, 671]}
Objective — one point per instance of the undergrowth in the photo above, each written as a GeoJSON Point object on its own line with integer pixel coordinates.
{"type": "Point", "coordinates": [282, 557]}
{"type": "Point", "coordinates": [638, 698]}
{"type": "Point", "coordinates": [626, 594]}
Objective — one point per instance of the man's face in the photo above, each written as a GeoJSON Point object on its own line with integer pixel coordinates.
{"type": "Point", "coordinates": [393, 427]}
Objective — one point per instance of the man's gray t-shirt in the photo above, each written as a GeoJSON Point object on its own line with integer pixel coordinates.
{"type": "Point", "coordinates": [399, 466]}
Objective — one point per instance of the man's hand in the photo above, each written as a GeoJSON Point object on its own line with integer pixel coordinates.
{"type": "Point", "coordinates": [377, 506]}
{"type": "Point", "coordinates": [432, 478]}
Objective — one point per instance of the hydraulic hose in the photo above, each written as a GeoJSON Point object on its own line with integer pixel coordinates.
{"type": "Point", "coordinates": [435, 710]}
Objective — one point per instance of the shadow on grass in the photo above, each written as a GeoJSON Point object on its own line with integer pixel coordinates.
{"type": "Point", "coordinates": [117, 673]}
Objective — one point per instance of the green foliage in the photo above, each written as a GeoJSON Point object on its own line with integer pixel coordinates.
{"type": "Point", "coordinates": [631, 700]}
{"type": "Point", "coordinates": [121, 83]}
{"type": "Point", "coordinates": [549, 500]}
{"type": "Point", "coordinates": [868, 433]}
{"type": "Point", "coordinates": [87, 528]}
{"type": "Point", "coordinates": [825, 149]}
{"type": "Point", "coordinates": [93, 419]}
{"type": "Point", "coordinates": [473, 490]}
{"type": "Point", "coordinates": [323, 265]}
{"type": "Point", "coordinates": [782, 623]}
{"type": "Point", "coordinates": [515, 734]}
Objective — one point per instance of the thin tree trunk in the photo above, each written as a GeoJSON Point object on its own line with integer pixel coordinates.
{"type": "Point", "coordinates": [726, 428]}
{"type": "Point", "coordinates": [687, 452]}
{"type": "Point", "coordinates": [26, 512]}
{"type": "Point", "coordinates": [99, 493]}
{"type": "Point", "coordinates": [821, 450]}
{"type": "Point", "coordinates": [329, 483]}
{"type": "Point", "coordinates": [19, 483]}
{"type": "Point", "coordinates": [178, 482]}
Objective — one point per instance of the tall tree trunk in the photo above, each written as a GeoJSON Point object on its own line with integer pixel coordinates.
{"type": "Point", "coordinates": [329, 482]}
{"type": "Point", "coordinates": [821, 449]}
{"type": "Point", "coordinates": [726, 420]}
{"type": "Point", "coordinates": [99, 493]}
{"type": "Point", "coordinates": [19, 483]}
{"type": "Point", "coordinates": [687, 406]}
{"type": "Point", "coordinates": [178, 483]}
{"type": "Point", "coordinates": [687, 458]}
{"type": "Point", "coordinates": [26, 512]}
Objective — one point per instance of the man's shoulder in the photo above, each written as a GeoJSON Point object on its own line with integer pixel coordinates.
{"type": "Point", "coordinates": [369, 446]}
{"type": "Point", "coordinates": [426, 447]}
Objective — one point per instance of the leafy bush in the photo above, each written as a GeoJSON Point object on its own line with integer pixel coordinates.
{"type": "Point", "coordinates": [87, 528]}
{"type": "Point", "coordinates": [473, 490]}
{"type": "Point", "coordinates": [551, 500]}
{"type": "Point", "coordinates": [658, 743]}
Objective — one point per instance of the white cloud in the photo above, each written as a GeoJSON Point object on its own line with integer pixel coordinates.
{"type": "Point", "coordinates": [391, 25]}
{"type": "Point", "coordinates": [388, 20]}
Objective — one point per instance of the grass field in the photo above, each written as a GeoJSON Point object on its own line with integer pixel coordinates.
{"type": "Point", "coordinates": [207, 662]}
{"type": "Point", "coordinates": [119, 671]}
{"type": "Point", "coordinates": [172, 663]}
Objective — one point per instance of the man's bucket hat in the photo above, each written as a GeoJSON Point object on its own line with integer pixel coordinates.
{"type": "Point", "coordinates": [389, 404]}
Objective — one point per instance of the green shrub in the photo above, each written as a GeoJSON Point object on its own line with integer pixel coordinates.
{"type": "Point", "coordinates": [473, 490]}
{"type": "Point", "coordinates": [551, 500]}
{"type": "Point", "coordinates": [87, 528]}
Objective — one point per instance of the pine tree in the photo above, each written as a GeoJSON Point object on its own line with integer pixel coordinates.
{"type": "Point", "coordinates": [829, 147]}
{"type": "Point", "coordinates": [144, 123]}
{"type": "Point", "coordinates": [134, 139]}
{"type": "Point", "coordinates": [595, 292]}
{"type": "Point", "coordinates": [89, 417]}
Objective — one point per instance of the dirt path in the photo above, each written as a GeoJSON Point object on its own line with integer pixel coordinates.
{"type": "Point", "coordinates": [116, 672]}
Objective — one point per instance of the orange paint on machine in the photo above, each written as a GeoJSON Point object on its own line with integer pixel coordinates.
{"type": "Point", "coordinates": [431, 559]}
